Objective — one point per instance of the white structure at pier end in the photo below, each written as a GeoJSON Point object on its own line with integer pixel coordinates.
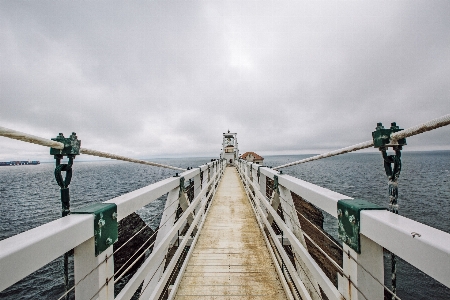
{"type": "Point", "coordinates": [230, 151]}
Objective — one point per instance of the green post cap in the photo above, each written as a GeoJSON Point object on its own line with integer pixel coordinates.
{"type": "Point", "coordinates": [105, 224]}
{"type": "Point", "coordinates": [349, 220]}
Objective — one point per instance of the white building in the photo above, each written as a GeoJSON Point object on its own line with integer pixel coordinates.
{"type": "Point", "coordinates": [253, 157]}
{"type": "Point", "coordinates": [230, 150]}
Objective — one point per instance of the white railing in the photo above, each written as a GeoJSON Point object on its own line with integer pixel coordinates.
{"type": "Point", "coordinates": [361, 275]}
{"type": "Point", "coordinates": [94, 277]}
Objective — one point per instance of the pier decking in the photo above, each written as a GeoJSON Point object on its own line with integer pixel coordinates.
{"type": "Point", "coordinates": [230, 259]}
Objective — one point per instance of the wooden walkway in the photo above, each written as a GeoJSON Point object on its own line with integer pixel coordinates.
{"type": "Point", "coordinates": [230, 259]}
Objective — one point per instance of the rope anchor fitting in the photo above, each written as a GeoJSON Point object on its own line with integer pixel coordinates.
{"type": "Point", "coordinates": [71, 149]}
{"type": "Point", "coordinates": [382, 139]}
{"type": "Point", "coordinates": [392, 163]}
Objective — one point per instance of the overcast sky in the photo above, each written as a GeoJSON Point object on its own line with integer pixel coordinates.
{"type": "Point", "coordinates": [167, 78]}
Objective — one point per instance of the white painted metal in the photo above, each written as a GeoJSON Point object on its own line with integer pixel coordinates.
{"type": "Point", "coordinates": [166, 223]}
{"type": "Point", "coordinates": [325, 283]}
{"type": "Point", "coordinates": [158, 251]}
{"type": "Point", "coordinates": [323, 198]}
{"type": "Point", "coordinates": [130, 202]}
{"type": "Point", "coordinates": [231, 257]}
{"type": "Point", "coordinates": [263, 222]}
{"type": "Point", "coordinates": [371, 258]}
{"type": "Point", "coordinates": [278, 241]}
{"type": "Point", "coordinates": [197, 184]}
{"type": "Point", "coordinates": [429, 252]}
{"type": "Point", "coordinates": [292, 222]}
{"type": "Point", "coordinates": [197, 222]}
{"type": "Point", "coordinates": [176, 284]}
{"type": "Point", "coordinates": [22, 254]}
{"type": "Point", "coordinates": [93, 273]}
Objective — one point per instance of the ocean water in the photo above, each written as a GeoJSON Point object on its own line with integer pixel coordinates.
{"type": "Point", "coordinates": [29, 197]}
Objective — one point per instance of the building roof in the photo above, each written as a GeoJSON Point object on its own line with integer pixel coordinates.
{"type": "Point", "coordinates": [256, 156]}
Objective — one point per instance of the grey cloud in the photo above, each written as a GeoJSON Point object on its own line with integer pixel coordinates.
{"type": "Point", "coordinates": [168, 77]}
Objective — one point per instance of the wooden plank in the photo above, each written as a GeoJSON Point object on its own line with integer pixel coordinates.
{"type": "Point", "coordinates": [230, 259]}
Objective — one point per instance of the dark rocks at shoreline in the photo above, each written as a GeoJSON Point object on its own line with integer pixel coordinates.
{"type": "Point", "coordinates": [128, 227]}
{"type": "Point", "coordinates": [308, 212]}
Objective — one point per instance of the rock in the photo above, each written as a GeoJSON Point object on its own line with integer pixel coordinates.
{"type": "Point", "coordinates": [308, 212]}
{"type": "Point", "coordinates": [127, 228]}
{"type": "Point", "coordinates": [311, 220]}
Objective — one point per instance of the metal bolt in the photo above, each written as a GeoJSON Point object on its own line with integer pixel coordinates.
{"type": "Point", "coordinates": [352, 219]}
{"type": "Point", "coordinates": [414, 234]}
{"type": "Point", "coordinates": [101, 223]}
{"type": "Point", "coordinates": [114, 215]}
{"type": "Point", "coordinates": [108, 242]}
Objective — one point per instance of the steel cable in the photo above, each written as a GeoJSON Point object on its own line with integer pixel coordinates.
{"type": "Point", "coordinates": [128, 268]}
{"type": "Point", "coordinates": [106, 258]}
{"type": "Point", "coordinates": [340, 270]}
{"type": "Point", "coordinates": [139, 257]}
{"type": "Point", "coordinates": [340, 247]}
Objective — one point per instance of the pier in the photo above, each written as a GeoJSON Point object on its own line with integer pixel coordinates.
{"type": "Point", "coordinates": [230, 229]}
{"type": "Point", "coordinates": [230, 258]}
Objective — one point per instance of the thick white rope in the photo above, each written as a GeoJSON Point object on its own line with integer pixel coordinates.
{"type": "Point", "coordinates": [21, 136]}
{"type": "Point", "coordinates": [430, 125]}
{"type": "Point", "coordinates": [17, 135]}
{"type": "Point", "coordinates": [348, 149]}
{"type": "Point", "coordinates": [118, 157]}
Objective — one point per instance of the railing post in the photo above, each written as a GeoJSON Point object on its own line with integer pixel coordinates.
{"type": "Point", "coordinates": [99, 283]}
{"type": "Point", "coordinates": [255, 175]}
{"type": "Point", "coordinates": [166, 223]}
{"type": "Point", "coordinates": [371, 258]}
{"type": "Point", "coordinates": [197, 188]}
{"type": "Point", "coordinates": [292, 222]}
{"type": "Point", "coordinates": [197, 184]}
{"type": "Point", "coordinates": [262, 184]}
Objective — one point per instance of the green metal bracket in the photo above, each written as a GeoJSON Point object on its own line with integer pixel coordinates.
{"type": "Point", "coordinates": [381, 136]}
{"type": "Point", "coordinates": [258, 173]}
{"type": "Point", "coordinates": [71, 145]}
{"type": "Point", "coordinates": [105, 224]}
{"type": "Point", "coordinates": [349, 220]}
{"type": "Point", "coordinates": [275, 184]}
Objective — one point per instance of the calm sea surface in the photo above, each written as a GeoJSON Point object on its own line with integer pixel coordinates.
{"type": "Point", "coordinates": [29, 197]}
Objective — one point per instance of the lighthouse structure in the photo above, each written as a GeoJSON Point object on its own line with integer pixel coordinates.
{"type": "Point", "coordinates": [230, 151]}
